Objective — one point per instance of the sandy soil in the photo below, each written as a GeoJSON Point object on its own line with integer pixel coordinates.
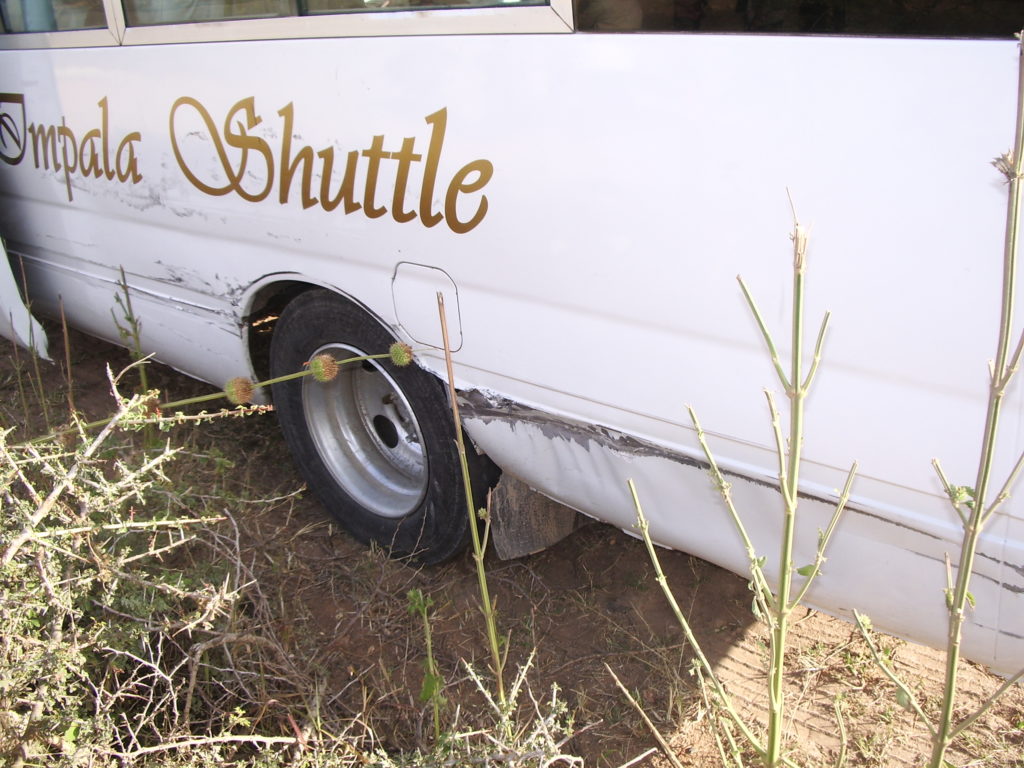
{"type": "Point", "coordinates": [587, 602]}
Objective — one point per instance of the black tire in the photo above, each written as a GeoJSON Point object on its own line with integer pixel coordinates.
{"type": "Point", "coordinates": [376, 444]}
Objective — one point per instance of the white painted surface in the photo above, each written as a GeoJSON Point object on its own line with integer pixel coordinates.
{"type": "Point", "coordinates": [16, 323]}
{"type": "Point", "coordinates": [633, 177]}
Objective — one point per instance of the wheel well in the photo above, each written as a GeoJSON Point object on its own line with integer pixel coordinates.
{"type": "Point", "coordinates": [266, 306]}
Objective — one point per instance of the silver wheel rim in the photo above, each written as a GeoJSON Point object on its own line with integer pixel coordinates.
{"type": "Point", "coordinates": [367, 435]}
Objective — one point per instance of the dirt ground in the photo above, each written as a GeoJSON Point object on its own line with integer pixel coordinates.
{"type": "Point", "coordinates": [587, 602]}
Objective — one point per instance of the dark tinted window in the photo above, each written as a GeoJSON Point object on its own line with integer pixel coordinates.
{"type": "Point", "coordinates": [51, 15]}
{"type": "Point", "coordinates": [940, 18]}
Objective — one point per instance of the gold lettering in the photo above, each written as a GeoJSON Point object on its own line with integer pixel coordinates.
{"type": "Point", "coordinates": [70, 161]}
{"type": "Point", "coordinates": [437, 121]}
{"type": "Point", "coordinates": [48, 144]}
{"type": "Point", "coordinates": [131, 165]}
{"type": "Point", "coordinates": [405, 156]}
{"type": "Point", "coordinates": [252, 157]}
{"type": "Point", "coordinates": [238, 139]}
{"type": "Point", "coordinates": [459, 185]}
{"type": "Point", "coordinates": [288, 166]}
{"type": "Point", "coordinates": [91, 156]}
{"type": "Point", "coordinates": [105, 123]}
{"type": "Point", "coordinates": [346, 191]}
{"type": "Point", "coordinates": [374, 154]}
{"type": "Point", "coordinates": [244, 156]}
{"type": "Point", "coordinates": [12, 129]}
{"type": "Point", "coordinates": [243, 141]}
{"type": "Point", "coordinates": [90, 167]}
{"type": "Point", "coordinates": [217, 143]}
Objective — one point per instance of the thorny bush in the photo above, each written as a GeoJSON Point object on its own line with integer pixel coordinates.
{"type": "Point", "coordinates": [99, 601]}
{"type": "Point", "coordinates": [137, 630]}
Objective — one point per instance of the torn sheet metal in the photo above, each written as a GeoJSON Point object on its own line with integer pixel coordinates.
{"type": "Point", "coordinates": [16, 322]}
{"type": "Point", "coordinates": [880, 561]}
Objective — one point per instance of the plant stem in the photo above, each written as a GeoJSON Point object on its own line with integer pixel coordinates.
{"type": "Point", "coordinates": [720, 693]}
{"type": "Point", "coordinates": [826, 536]}
{"type": "Point", "coordinates": [863, 626]}
{"type": "Point", "coordinates": [791, 483]}
{"type": "Point", "coordinates": [1001, 373]}
{"type": "Point", "coordinates": [487, 606]}
{"type": "Point", "coordinates": [759, 585]}
{"type": "Point", "coordinates": [665, 748]}
{"type": "Point", "coordinates": [67, 360]}
{"type": "Point", "coordinates": [208, 398]}
{"type": "Point", "coordinates": [269, 382]}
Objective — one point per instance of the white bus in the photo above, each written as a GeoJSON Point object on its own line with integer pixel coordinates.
{"type": "Point", "coordinates": [584, 203]}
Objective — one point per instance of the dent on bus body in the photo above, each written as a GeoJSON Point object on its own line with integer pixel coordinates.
{"type": "Point", "coordinates": [587, 467]}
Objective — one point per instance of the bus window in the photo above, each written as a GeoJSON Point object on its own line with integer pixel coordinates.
{"type": "Point", "coordinates": [146, 12]}
{"type": "Point", "coordinates": [334, 6]}
{"type": "Point", "coordinates": [898, 18]}
{"type": "Point", "coordinates": [51, 15]}
{"type": "Point", "coordinates": [610, 15]}
{"type": "Point", "coordinates": [150, 12]}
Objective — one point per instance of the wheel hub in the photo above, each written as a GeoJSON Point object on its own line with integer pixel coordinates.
{"type": "Point", "coordinates": [366, 434]}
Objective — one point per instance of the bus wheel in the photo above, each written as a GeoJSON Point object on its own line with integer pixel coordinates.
{"type": "Point", "coordinates": [376, 443]}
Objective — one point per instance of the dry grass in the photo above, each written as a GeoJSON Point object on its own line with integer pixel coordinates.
{"type": "Point", "coordinates": [319, 647]}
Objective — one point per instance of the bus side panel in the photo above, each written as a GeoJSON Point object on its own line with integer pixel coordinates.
{"type": "Point", "coordinates": [592, 198]}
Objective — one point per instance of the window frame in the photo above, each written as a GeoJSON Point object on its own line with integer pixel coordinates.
{"type": "Point", "coordinates": [553, 18]}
